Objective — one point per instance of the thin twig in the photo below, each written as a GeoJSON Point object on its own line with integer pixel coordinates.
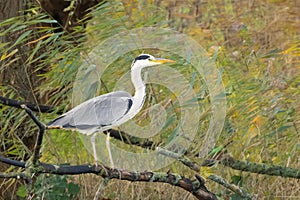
{"type": "Point", "coordinates": [33, 117]}
{"type": "Point", "coordinates": [184, 160]}
{"type": "Point", "coordinates": [38, 144]}
{"type": "Point", "coordinates": [15, 175]}
{"type": "Point", "coordinates": [243, 194]}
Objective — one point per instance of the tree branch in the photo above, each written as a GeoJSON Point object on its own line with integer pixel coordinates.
{"type": "Point", "coordinates": [31, 106]}
{"type": "Point", "coordinates": [242, 193]}
{"type": "Point", "coordinates": [15, 175]}
{"type": "Point", "coordinates": [38, 144]}
{"type": "Point", "coordinates": [129, 139]}
{"type": "Point", "coordinates": [259, 168]}
{"type": "Point", "coordinates": [196, 186]}
{"type": "Point", "coordinates": [184, 160]}
{"type": "Point", "coordinates": [12, 162]}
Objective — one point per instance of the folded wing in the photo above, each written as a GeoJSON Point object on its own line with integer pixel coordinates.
{"type": "Point", "coordinates": [97, 114]}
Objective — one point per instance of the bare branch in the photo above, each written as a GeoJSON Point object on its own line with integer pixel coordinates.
{"type": "Point", "coordinates": [15, 175]}
{"type": "Point", "coordinates": [259, 168]}
{"type": "Point", "coordinates": [38, 144]}
{"type": "Point", "coordinates": [184, 160]}
{"type": "Point", "coordinates": [12, 162]}
{"type": "Point", "coordinates": [243, 194]}
{"type": "Point", "coordinates": [129, 139]}
{"type": "Point", "coordinates": [196, 187]}
{"type": "Point", "coordinates": [31, 106]}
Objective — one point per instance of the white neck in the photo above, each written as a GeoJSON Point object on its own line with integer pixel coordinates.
{"type": "Point", "coordinates": [140, 89]}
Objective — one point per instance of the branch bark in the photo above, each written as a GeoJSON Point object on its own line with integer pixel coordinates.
{"type": "Point", "coordinates": [184, 160]}
{"type": "Point", "coordinates": [195, 186]}
{"type": "Point", "coordinates": [38, 144]}
{"type": "Point", "coordinates": [260, 168]}
{"type": "Point", "coordinates": [242, 193]}
{"type": "Point", "coordinates": [31, 106]}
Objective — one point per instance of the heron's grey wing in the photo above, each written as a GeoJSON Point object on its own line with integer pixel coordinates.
{"type": "Point", "coordinates": [96, 114]}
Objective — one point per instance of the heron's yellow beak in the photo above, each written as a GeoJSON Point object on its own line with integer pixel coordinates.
{"type": "Point", "coordinates": [162, 60]}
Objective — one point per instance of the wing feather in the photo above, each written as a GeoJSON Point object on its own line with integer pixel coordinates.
{"type": "Point", "coordinates": [96, 114]}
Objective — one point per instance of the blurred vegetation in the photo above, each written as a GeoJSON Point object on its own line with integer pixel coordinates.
{"type": "Point", "coordinates": [52, 187]}
{"type": "Point", "coordinates": [258, 45]}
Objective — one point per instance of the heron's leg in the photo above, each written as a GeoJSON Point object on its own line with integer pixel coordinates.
{"type": "Point", "coordinates": [97, 163]}
{"type": "Point", "coordinates": [93, 138]}
{"type": "Point", "coordinates": [108, 149]}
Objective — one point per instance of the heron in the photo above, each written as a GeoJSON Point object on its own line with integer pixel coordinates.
{"type": "Point", "coordinates": [109, 110]}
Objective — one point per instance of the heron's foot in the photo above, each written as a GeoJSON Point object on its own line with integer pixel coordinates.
{"type": "Point", "coordinates": [112, 164]}
{"type": "Point", "coordinates": [99, 166]}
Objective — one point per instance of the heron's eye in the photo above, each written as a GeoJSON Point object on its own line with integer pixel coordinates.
{"type": "Point", "coordinates": [150, 59]}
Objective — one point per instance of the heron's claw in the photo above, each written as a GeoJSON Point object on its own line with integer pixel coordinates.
{"type": "Point", "coordinates": [99, 167]}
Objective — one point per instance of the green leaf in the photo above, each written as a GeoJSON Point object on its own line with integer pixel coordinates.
{"type": "Point", "coordinates": [21, 192]}
{"type": "Point", "coordinates": [22, 37]}
{"type": "Point", "coordinates": [73, 189]}
{"type": "Point", "coordinates": [9, 21]}
{"type": "Point", "coordinates": [19, 27]}
{"type": "Point", "coordinates": [236, 180]}
{"type": "Point", "coordinates": [272, 53]}
{"type": "Point", "coordinates": [215, 151]}
{"type": "Point", "coordinates": [283, 128]}
{"type": "Point", "coordinates": [37, 47]}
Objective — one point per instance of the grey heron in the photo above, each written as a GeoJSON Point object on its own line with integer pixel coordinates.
{"type": "Point", "coordinates": [109, 110]}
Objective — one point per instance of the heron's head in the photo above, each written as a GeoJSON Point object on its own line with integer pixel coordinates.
{"type": "Point", "coordinates": [147, 60]}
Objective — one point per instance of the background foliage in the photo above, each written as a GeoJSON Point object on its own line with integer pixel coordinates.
{"type": "Point", "coordinates": [258, 48]}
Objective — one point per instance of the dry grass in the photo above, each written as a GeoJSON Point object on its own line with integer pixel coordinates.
{"type": "Point", "coordinates": [125, 190]}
